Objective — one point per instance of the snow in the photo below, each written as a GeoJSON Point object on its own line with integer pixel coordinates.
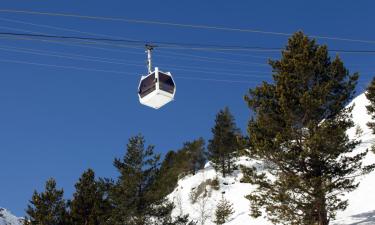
{"type": "Point", "coordinates": [361, 209]}
{"type": "Point", "coordinates": [7, 218]}
{"type": "Point", "coordinates": [230, 187]}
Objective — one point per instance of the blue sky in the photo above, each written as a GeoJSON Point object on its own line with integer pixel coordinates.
{"type": "Point", "coordinates": [57, 122]}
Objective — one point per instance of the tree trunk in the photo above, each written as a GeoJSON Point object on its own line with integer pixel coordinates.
{"type": "Point", "coordinates": [321, 206]}
{"type": "Point", "coordinates": [322, 212]}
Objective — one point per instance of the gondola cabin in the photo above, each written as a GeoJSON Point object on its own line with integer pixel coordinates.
{"type": "Point", "coordinates": [156, 89]}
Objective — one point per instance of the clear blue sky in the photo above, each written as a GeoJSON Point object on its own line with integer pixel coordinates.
{"type": "Point", "coordinates": [57, 122]}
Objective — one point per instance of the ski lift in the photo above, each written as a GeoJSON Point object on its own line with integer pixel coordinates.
{"type": "Point", "coordinates": [157, 88]}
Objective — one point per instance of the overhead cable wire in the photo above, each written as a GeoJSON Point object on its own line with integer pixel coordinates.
{"type": "Point", "coordinates": [100, 34]}
{"type": "Point", "coordinates": [116, 61]}
{"type": "Point", "coordinates": [121, 62]}
{"type": "Point", "coordinates": [68, 29]}
{"type": "Point", "coordinates": [112, 36]}
{"type": "Point", "coordinates": [182, 25]}
{"type": "Point", "coordinates": [179, 54]}
{"type": "Point", "coordinates": [34, 35]}
{"type": "Point", "coordinates": [214, 70]}
{"type": "Point", "coordinates": [68, 57]}
{"type": "Point", "coordinates": [213, 58]}
{"type": "Point", "coordinates": [201, 58]}
{"type": "Point", "coordinates": [120, 72]}
{"type": "Point", "coordinates": [191, 57]}
{"type": "Point", "coordinates": [158, 44]}
{"type": "Point", "coordinates": [118, 38]}
{"type": "Point", "coordinates": [63, 67]}
{"type": "Point", "coordinates": [57, 28]}
{"type": "Point", "coordinates": [106, 60]}
{"type": "Point", "coordinates": [166, 44]}
{"type": "Point", "coordinates": [83, 44]}
{"type": "Point", "coordinates": [243, 55]}
{"type": "Point", "coordinates": [120, 51]}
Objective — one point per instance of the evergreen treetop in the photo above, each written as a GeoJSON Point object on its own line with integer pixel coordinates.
{"type": "Point", "coordinates": [90, 205]}
{"type": "Point", "coordinates": [223, 146]}
{"type": "Point", "coordinates": [195, 154]}
{"type": "Point", "coordinates": [300, 128]}
{"type": "Point", "coordinates": [48, 207]}
{"type": "Point", "coordinates": [133, 197]}
{"type": "Point", "coordinates": [137, 197]}
{"type": "Point", "coordinates": [224, 210]}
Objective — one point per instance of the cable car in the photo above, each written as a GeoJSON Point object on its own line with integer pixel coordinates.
{"type": "Point", "coordinates": [157, 88]}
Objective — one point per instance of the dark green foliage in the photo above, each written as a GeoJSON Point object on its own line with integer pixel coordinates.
{"type": "Point", "coordinates": [90, 205]}
{"type": "Point", "coordinates": [161, 215]}
{"type": "Point", "coordinates": [183, 220]}
{"type": "Point", "coordinates": [243, 145]}
{"type": "Point", "coordinates": [189, 159]}
{"type": "Point", "coordinates": [299, 129]}
{"type": "Point", "coordinates": [195, 154]}
{"type": "Point", "coordinates": [224, 210]}
{"type": "Point", "coordinates": [370, 94]}
{"type": "Point", "coordinates": [133, 197]}
{"type": "Point", "coordinates": [169, 172]}
{"type": "Point", "coordinates": [48, 207]}
{"type": "Point", "coordinates": [225, 143]}
{"type": "Point", "coordinates": [137, 197]}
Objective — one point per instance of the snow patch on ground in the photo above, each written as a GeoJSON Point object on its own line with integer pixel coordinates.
{"type": "Point", "coordinates": [361, 209]}
{"type": "Point", "coordinates": [204, 208]}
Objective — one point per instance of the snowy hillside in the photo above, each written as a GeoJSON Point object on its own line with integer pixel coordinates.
{"type": "Point", "coordinates": [6, 218]}
{"type": "Point", "coordinates": [361, 208]}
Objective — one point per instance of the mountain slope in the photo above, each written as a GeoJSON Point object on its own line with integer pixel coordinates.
{"type": "Point", "coordinates": [7, 218]}
{"type": "Point", "coordinates": [361, 209]}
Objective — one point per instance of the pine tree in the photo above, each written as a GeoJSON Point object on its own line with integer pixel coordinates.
{"type": "Point", "coordinates": [370, 94]}
{"type": "Point", "coordinates": [300, 128]}
{"type": "Point", "coordinates": [132, 197]}
{"type": "Point", "coordinates": [168, 174]}
{"type": "Point", "coordinates": [48, 207]}
{"type": "Point", "coordinates": [182, 220]}
{"type": "Point", "coordinates": [89, 205]}
{"type": "Point", "coordinates": [189, 159]}
{"type": "Point", "coordinates": [222, 148]}
{"type": "Point", "coordinates": [195, 154]}
{"type": "Point", "coordinates": [224, 210]}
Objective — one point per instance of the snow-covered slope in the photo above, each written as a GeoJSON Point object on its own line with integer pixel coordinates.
{"type": "Point", "coordinates": [7, 218]}
{"type": "Point", "coordinates": [361, 208]}
{"type": "Point", "coordinates": [204, 207]}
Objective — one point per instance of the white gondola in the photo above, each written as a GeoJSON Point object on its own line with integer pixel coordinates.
{"type": "Point", "coordinates": [157, 88]}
